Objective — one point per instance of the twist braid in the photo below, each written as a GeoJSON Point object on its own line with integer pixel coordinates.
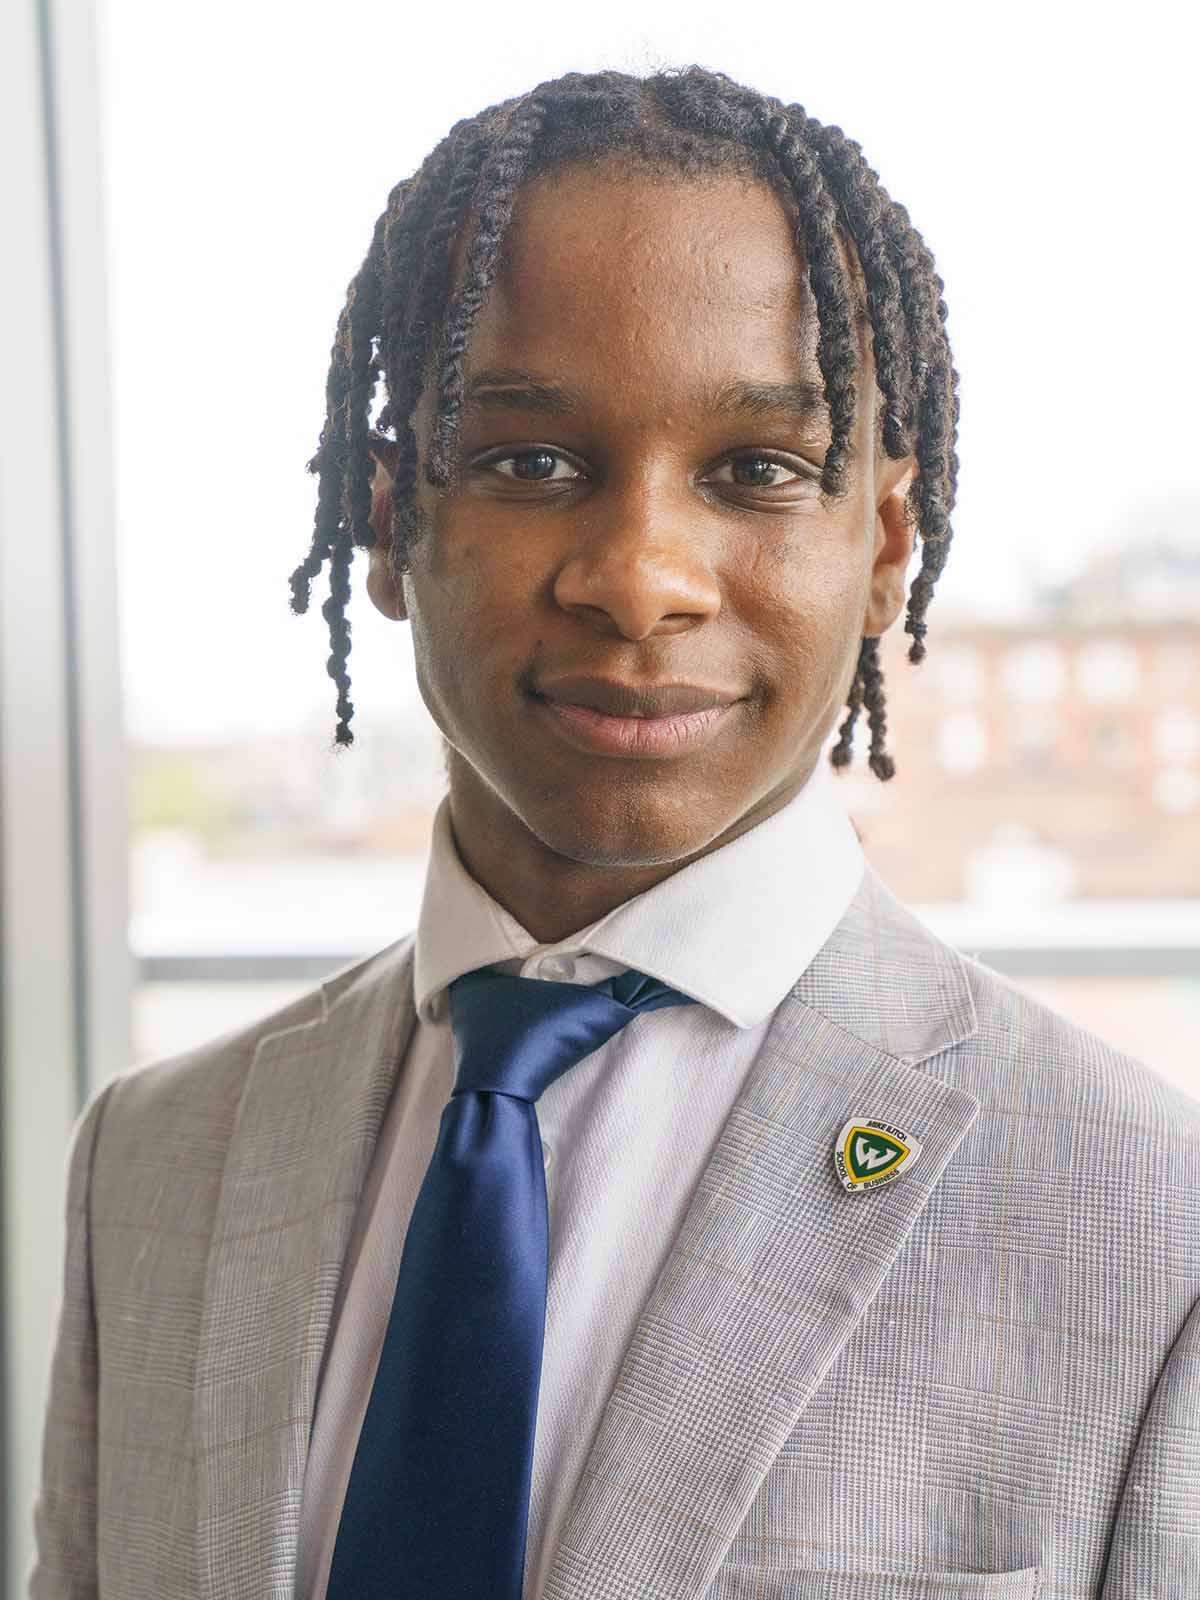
{"type": "Point", "coordinates": [364, 372]}
{"type": "Point", "coordinates": [863, 200]}
{"type": "Point", "coordinates": [880, 763]}
{"type": "Point", "coordinates": [334, 612]}
{"type": "Point", "coordinates": [837, 352]}
{"type": "Point", "coordinates": [841, 753]}
{"type": "Point", "coordinates": [932, 495]}
{"type": "Point", "coordinates": [498, 183]}
{"type": "Point", "coordinates": [412, 339]}
{"type": "Point", "coordinates": [328, 463]}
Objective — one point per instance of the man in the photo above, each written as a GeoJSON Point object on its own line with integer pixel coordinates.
{"type": "Point", "coordinates": [852, 1272]}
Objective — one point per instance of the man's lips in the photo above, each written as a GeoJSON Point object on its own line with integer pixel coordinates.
{"type": "Point", "coordinates": [625, 700]}
{"type": "Point", "coordinates": [599, 732]}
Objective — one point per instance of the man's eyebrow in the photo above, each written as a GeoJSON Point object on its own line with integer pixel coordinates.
{"type": "Point", "coordinates": [799, 399]}
{"type": "Point", "coordinates": [509, 388]}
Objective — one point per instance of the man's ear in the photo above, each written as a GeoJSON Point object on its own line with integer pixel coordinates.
{"type": "Point", "coordinates": [385, 591]}
{"type": "Point", "coordinates": [894, 536]}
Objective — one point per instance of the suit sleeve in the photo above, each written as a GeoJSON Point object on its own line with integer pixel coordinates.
{"type": "Point", "coordinates": [1155, 1552]}
{"type": "Point", "coordinates": [64, 1512]}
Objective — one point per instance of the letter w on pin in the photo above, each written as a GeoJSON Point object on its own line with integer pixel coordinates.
{"type": "Point", "coordinates": [868, 1158]}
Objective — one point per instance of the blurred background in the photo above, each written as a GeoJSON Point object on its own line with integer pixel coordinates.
{"type": "Point", "coordinates": [187, 192]}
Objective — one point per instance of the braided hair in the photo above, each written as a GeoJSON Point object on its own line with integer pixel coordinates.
{"type": "Point", "coordinates": [866, 263]}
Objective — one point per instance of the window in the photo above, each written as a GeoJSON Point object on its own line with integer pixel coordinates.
{"type": "Point", "coordinates": [1034, 736]}
{"type": "Point", "coordinates": [958, 672]}
{"type": "Point", "coordinates": [1034, 672]}
{"type": "Point", "coordinates": [1178, 791]}
{"type": "Point", "coordinates": [962, 744]}
{"type": "Point", "coordinates": [1113, 745]}
{"type": "Point", "coordinates": [1108, 672]}
{"type": "Point", "coordinates": [1174, 666]}
{"type": "Point", "coordinates": [1177, 734]}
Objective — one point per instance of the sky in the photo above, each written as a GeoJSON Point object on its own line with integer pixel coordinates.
{"type": "Point", "coordinates": [1046, 153]}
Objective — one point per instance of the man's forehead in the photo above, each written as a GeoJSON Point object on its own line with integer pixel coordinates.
{"type": "Point", "coordinates": [566, 217]}
{"type": "Point", "coordinates": [641, 234]}
{"type": "Point", "coordinates": [703, 278]}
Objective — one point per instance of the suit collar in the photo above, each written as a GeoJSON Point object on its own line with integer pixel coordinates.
{"type": "Point", "coordinates": [769, 1275]}
{"type": "Point", "coordinates": [886, 978]}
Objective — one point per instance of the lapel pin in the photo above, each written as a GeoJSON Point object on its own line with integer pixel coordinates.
{"type": "Point", "coordinates": [868, 1154]}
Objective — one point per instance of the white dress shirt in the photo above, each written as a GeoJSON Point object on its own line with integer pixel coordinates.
{"type": "Point", "coordinates": [626, 1132]}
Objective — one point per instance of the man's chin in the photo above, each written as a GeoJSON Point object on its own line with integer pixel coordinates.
{"type": "Point", "coordinates": [621, 833]}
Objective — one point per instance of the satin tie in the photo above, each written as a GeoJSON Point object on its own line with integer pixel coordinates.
{"type": "Point", "coordinates": [437, 1505]}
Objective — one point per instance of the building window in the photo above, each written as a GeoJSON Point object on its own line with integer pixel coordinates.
{"type": "Point", "coordinates": [1177, 735]}
{"type": "Point", "coordinates": [1174, 666]}
{"type": "Point", "coordinates": [1114, 744]}
{"type": "Point", "coordinates": [1034, 735]}
{"type": "Point", "coordinates": [1177, 791]}
{"type": "Point", "coordinates": [958, 672]}
{"type": "Point", "coordinates": [1034, 672]}
{"type": "Point", "coordinates": [961, 744]}
{"type": "Point", "coordinates": [1108, 672]}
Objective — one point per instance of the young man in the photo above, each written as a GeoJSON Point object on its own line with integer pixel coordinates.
{"type": "Point", "coordinates": [851, 1273]}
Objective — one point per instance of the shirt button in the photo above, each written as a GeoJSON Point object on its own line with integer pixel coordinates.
{"type": "Point", "coordinates": [561, 967]}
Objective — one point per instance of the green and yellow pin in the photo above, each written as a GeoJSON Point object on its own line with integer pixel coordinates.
{"type": "Point", "coordinates": [870, 1153]}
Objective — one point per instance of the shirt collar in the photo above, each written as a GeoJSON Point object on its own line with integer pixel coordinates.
{"type": "Point", "coordinates": [734, 929]}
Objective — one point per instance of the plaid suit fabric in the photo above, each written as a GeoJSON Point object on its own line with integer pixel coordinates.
{"type": "Point", "coordinates": [982, 1380]}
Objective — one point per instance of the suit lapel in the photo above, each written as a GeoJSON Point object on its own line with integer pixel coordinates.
{"type": "Point", "coordinates": [310, 1114]}
{"type": "Point", "coordinates": [775, 1263]}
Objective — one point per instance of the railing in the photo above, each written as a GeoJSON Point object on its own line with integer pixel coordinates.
{"type": "Point", "coordinates": [1077, 939]}
{"type": "Point", "coordinates": [1015, 961]}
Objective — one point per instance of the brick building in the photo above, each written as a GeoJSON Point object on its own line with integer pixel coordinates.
{"type": "Point", "coordinates": [1065, 747]}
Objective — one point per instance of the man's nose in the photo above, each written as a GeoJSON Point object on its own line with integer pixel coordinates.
{"type": "Point", "coordinates": [638, 562]}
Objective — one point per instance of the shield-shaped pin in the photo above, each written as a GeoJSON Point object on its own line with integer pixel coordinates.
{"type": "Point", "coordinates": [869, 1153]}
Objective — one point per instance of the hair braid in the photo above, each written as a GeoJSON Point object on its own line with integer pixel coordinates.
{"type": "Point", "coordinates": [863, 200]}
{"type": "Point", "coordinates": [407, 225]}
{"type": "Point", "coordinates": [328, 463]}
{"type": "Point", "coordinates": [880, 763]}
{"type": "Point", "coordinates": [840, 755]}
{"type": "Point", "coordinates": [364, 372]}
{"type": "Point", "coordinates": [416, 225]}
{"type": "Point", "coordinates": [334, 612]}
{"type": "Point", "coordinates": [411, 340]}
{"type": "Point", "coordinates": [343, 458]}
{"type": "Point", "coordinates": [932, 494]}
{"type": "Point", "coordinates": [499, 181]}
{"type": "Point", "coordinates": [837, 352]}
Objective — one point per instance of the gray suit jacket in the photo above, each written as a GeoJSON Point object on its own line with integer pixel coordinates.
{"type": "Point", "coordinates": [982, 1379]}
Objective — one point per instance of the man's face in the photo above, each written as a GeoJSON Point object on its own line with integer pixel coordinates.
{"type": "Point", "coordinates": [643, 533]}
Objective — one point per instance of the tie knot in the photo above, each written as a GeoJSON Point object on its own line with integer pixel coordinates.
{"type": "Point", "coordinates": [515, 1035]}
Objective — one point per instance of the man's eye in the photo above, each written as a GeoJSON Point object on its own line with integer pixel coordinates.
{"type": "Point", "coordinates": [533, 466]}
{"type": "Point", "coordinates": [759, 472]}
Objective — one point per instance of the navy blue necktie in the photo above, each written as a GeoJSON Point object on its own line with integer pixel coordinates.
{"type": "Point", "coordinates": [437, 1506]}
